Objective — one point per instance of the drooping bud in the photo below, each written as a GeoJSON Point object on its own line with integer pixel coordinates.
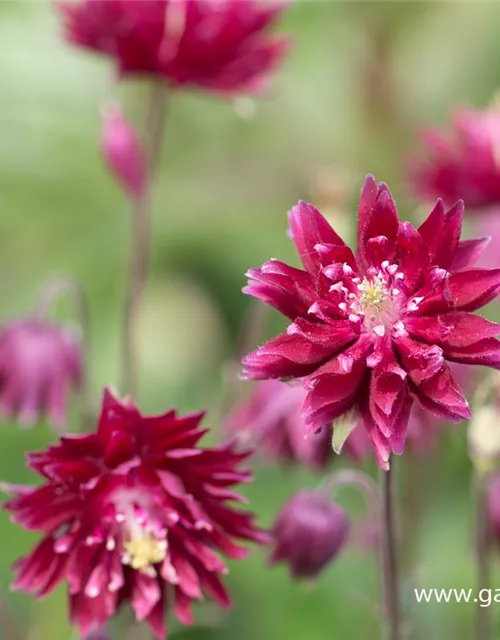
{"type": "Point", "coordinates": [123, 152]}
{"type": "Point", "coordinates": [309, 532]}
{"type": "Point", "coordinates": [39, 363]}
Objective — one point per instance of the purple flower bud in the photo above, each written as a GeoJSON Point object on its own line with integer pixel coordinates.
{"type": "Point", "coordinates": [39, 361]}
{"type": "Point", "coordinates": [122, 151]}
{"type": "Point", "coordinates": [309, 532]}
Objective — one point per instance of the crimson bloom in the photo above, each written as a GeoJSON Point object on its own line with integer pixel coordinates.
{"type": "Point", "coordinates": [221, 45]}
{"type": "Point", "coordinates": [270, 419]}
{"type": "Point", "coordinates": [309, 532]}
{"type": "Point", "coordinates": [134, 512]}
{"type": "Point", "coordinates": [464, 164]}
{"type": "Point", "coordinates": [39, 362]}
{"type": "Point", "coordinates": [371, 333]}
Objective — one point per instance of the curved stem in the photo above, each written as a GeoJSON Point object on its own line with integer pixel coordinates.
{"type": "Point", "coordinates": [140, 232]}
{"type": "Point", "coordinates": [357, 479]}
{"type": "Point", "coordinates": [53, 289]}
{"type": "Point", "coordinates": [389, 556]}
{"type": "Point", "coordinates": [483, 621]}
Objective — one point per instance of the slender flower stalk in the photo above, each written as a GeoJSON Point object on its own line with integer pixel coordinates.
{"type": "Point", "coordinates": [8, 626]}
{"type": "Point", "coordinates": [51, 290]}
{"type": "Point", "coordinates": [483, 621]}
{"type": "Point", "coordinates": [140, 231]}
{"type": "Point", "coordinates": [381, 503]}
{"type": "Point", "coordinates": [389, 556]}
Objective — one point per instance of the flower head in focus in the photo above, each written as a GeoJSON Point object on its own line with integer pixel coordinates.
{"type": "Point", "coordinates": [464, 164]}
{"type": "Point", "coordinates": [271, 420]}
{"type": "Point", "coordinates": [39, 363]}
{"type": "Point", "coordinates": [371, 333]}
{"type": "Point", "coordinates": [309, 532]}
{"type": "Point", "coordinates": [136, 512]}
{"type": "Point", "coordinates": [220, 45]}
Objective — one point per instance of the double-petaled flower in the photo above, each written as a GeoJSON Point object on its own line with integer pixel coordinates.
{"type": "Point", "coordinates": [464, 164]}
{"type": "Point", "coordinates": [136, 512]}
{"type": "Point", "coordinates": [271, 421]}
{"type": "Point", "coordinates": [373, 332]}
{"type": "Point", "coordinates": [220, 45]}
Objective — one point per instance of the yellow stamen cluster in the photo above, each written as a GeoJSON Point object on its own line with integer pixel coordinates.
{"type": "Point", "coordinates": [373, 293]}
{"type": "Point", "coordinates": [143, 551]}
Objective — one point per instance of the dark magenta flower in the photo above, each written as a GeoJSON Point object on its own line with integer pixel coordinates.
{"type": "Point", "coordinates": [270, 419]}
{"type": "Point", "coordinates": [371, 333]}
{"type": "Point", "coordinates": [464, 164]}
{"type": "Point", "coordinates": [136, 512]}
{"type": "Point", "coordinates": [39, 363]}
{"type": "Point", "coordinates": [221, 45]}
{"type": "Point", "coordinates": [309, 532]}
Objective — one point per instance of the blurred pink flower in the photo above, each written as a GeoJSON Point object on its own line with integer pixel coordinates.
{"type": "Point", "coordinates": [372, 333]}
{"type": "Point", "coordinates": [122, 152]}
{"type": "Point", "coordinates": [39, 362]}
{"type": "Point", "coordinates": [309, 532]}
{"type": "Point", "coordinates": [220, 45]}
{"type": "Point", "coordinates": [464, 164]}
{"type": "Point", "coordinates": [270, 419]}
{"type": "Point", "coordinates": [135, 512]}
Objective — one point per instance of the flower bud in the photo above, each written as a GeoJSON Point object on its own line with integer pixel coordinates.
{"type": "Point", "coordinates": [39, 363]}
{"type": "Point", "coordinates": [309, 532]}
{"type": "Point", "coordinates": [122, 152]}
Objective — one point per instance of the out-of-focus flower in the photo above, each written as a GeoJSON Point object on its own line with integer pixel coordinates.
{"type": "Point", "coordinates": [136, 512]}
{"type": "Point", "coordinates": [39, 363]}
{"type": "Point", "coordinates": [270, 419]}
{"type": "Point", "coordinates": [122, 152]}
{"type": "Point", "coordinates": [484, 437]}
{"type": "Point", "coordinates": [493, 505]}
{"type": "Point", "coordinates": [220, 45]}
{"type": "Point", "coordinates": [466, 163]}
{"type": "Point", "coordinates": [309, 532]}
{"type": "Point", "coordinates": [372, 333]}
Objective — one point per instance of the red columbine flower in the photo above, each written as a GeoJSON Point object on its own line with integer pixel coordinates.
{"type": "Point", "coordinates": [309, 532]}
{"type": "Point", "coordinates": [464, 164]}
{"type": "Point", "coordinates": [221, 45]}
{"type": "Point", "coordinates": [39, 363]}
{"type": "Point", "coordinates": [134, 512]}
{"type": "Point", "coordinates": [371, 333]}
{"type": "Point", "coordinates": [270, 419]}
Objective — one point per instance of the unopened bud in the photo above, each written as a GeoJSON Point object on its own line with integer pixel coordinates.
{"type": "Point", "coordinates": [122, 151]}
{"type": "Point", "coordinates": [309, 532]}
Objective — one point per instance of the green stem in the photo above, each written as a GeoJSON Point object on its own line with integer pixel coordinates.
{"type": "Point", "coordinates": [140, 241]}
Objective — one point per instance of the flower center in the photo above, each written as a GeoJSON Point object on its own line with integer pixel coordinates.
{"type": "Point", "coordinates": [377, 298]}
{"type": "Point", "coordinates": [144, 550]}
{"type": "Point", "coordinates": [373, 294]}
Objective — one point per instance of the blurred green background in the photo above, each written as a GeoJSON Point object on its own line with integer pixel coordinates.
{"type": "Point", "coordinates": [361, 79]}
